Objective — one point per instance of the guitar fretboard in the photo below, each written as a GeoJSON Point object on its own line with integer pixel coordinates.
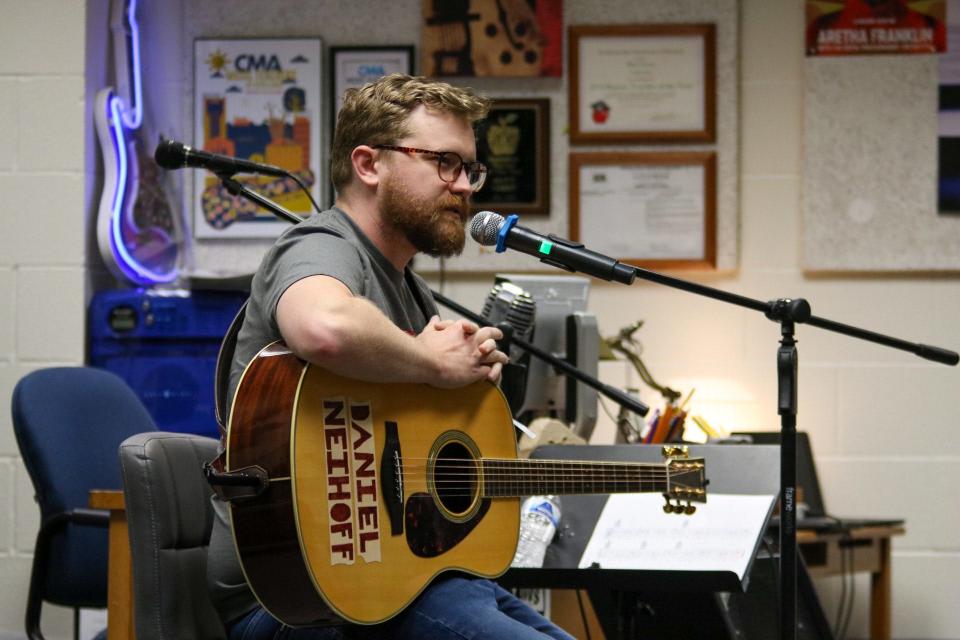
{"type": "Point", "coordinates": [513, 478]}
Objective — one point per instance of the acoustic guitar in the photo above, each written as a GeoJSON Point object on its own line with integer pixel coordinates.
{"type": "Point", "coordinates": [365, 492]}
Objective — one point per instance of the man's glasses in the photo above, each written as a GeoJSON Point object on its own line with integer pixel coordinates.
{"type": "Point", "coordinates": [449, 165]}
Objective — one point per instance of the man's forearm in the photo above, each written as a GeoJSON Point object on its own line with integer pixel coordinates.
{"type": "Point", "coordinates": [353, 338]}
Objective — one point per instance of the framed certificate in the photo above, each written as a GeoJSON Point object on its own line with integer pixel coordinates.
{"type": "Point", "coordinates": [514, 143]}
{"type": "Point", "coordinates": [353, 67]}
{"type": "Point", "coordinates": [648, 209]}
{"type": "Point", "coordinates": [257, 99]}
{"type": "Point", "coordinates": [642, 83]}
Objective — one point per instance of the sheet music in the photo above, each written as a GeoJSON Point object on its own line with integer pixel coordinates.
{"type": "Point", "coordinates": [633, 532]}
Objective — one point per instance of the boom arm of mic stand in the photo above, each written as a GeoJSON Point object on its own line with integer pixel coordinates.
{"type": "Point", "coordinates": [237, 189]}
{"type": "Point", "coordinates": [618, 396]}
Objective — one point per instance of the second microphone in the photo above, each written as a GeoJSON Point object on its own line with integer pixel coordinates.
{"type": "Point", "coordinates": [491, 229]}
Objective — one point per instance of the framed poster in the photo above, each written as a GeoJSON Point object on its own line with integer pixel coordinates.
{"type": "Point", "coordinates": [500, 38]}
{"type": "Point", "coordinates": [648, 209]}
{"type": "Point", "coordinates": [353, 67]}
{"type": "Point", "coordinates": [256, 99]}
{"type": "Point", "coordinates": [642, 83]}
{"type": "Point", "coordinates": [514, 143]}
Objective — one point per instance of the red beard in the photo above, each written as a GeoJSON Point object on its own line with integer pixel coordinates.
{"type": "Point", "coordinates": [436, 228]}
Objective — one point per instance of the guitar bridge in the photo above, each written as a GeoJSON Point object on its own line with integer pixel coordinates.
{"type": "Point", "coordinates": [391, 478]}
{"type": "Point", "coordinates": [398, 480]}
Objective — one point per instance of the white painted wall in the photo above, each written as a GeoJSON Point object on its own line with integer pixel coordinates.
{"type": "Point", "coordinates": [884, 424]}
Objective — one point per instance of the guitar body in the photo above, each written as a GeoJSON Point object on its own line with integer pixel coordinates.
{"type": "Point", "coordinates": [374, 489]}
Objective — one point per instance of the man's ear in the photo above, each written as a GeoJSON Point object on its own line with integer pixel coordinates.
{"type": "Point", "coordinates": [366, 165]}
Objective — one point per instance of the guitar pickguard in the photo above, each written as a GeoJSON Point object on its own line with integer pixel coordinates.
{"type": "Point", "coordinates": [429, 533]}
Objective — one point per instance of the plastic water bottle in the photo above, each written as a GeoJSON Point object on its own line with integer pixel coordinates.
{"type": "Point", "coordinates": [539, 518]}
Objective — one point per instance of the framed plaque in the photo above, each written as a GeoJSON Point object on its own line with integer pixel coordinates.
{"type": "Point", "coordinates": [353, 67]}
{"type": "Point", "coordinates": [648, 209]}
{"type": "Point", "coordinates": [514, 143]}
{"type": "Point", "coordinates": [257, 99]}
{"type": "Point", "coordinates": [642, 83]}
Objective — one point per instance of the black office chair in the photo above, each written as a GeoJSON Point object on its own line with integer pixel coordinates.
{"type": "Point", "coordinates": [68, 422]}
{"type": "Point", "coordinates": [170, 518]}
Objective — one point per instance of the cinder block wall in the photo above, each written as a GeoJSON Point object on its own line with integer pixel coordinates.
{"type": "Point", "coordinates": [883, 423]}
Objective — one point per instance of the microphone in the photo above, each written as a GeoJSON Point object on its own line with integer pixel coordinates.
{"type": "Point", "coordinates": [491, 229]}
{"type": "Point", "coordinates": [509, 304]}
{"type": "Point", "coordinates": [171, 154]}
{"type": "Point", "coordinates": [512, 310]}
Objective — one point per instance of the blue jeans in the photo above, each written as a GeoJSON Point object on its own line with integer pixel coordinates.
{"type": "Point", "coordinates": [453, 608]}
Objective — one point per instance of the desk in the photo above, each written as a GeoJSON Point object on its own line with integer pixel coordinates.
{"type": "Point", "coordinates": [119, 572]}
{"type": "Point", "coordinates": [870, 549]}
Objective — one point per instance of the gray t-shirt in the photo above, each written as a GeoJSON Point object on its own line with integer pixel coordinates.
{"type": "Point", "coordinates": [330, 244]}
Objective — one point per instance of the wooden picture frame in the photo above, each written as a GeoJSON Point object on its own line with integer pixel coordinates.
{"type": "Point", "coordinates": [672, 200]}
{"type": "Point", "coordinates": [642, 83]}
{"type": "Point", "coordinates": [514, 143]}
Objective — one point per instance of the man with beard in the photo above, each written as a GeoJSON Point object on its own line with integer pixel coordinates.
{"type": "Point", "coordinates": [338, 290]}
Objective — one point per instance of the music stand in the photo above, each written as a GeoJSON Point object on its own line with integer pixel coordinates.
{"type": "Point", "coordinates": [744, 469]}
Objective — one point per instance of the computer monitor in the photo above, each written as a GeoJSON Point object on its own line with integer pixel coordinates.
{"type": "Point", "coordinates": [562, 327]}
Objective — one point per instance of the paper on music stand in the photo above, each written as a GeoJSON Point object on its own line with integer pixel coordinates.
{"type": "Point", "coordinates": [633, 532]}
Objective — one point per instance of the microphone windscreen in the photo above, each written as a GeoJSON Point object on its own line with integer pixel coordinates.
{"type": "Point", "coordinates": [485, 226]}
{"type": "Point", "coordinates": [170, 154]}
{"type": "Point", "coordinates": [508, 303]}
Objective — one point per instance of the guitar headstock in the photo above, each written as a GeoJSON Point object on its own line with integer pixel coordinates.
{"type": "Point", "coordinates": [686, 480]}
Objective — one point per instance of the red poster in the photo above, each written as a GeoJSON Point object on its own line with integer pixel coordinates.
{"type": "Point", "coordinates": [855, 27]}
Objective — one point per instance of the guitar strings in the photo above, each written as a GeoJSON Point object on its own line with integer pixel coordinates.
{"type": "Point", "coordinates": [527, 466]}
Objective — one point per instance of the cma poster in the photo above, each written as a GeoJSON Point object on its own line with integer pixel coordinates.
{"type": "Point", "coordinates": [257, 100]}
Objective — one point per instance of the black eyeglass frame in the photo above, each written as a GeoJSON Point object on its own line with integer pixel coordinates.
{"type": "Point", "coordinates": [478, 167]}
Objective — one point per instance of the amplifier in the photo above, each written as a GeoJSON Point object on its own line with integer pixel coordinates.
{"type": "Point", "coordinates": [164, 344]}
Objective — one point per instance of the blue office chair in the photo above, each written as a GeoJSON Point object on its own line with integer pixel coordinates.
{"type": "Point", "coordinates": [69, 422]}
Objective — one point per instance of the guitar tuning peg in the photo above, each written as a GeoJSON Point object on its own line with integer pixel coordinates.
{"type": "Point", "coordinates": [676, 451]}
{"type": "Point", "coordinates": [690, 509]}
{"type": "Point", "coordinates": [668, 508]}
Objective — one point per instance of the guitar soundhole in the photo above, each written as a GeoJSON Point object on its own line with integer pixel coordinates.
{"type": "Point", "coordinates": [455, 478]}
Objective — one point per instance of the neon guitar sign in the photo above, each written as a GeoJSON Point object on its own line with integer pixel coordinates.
{"type": "Point", "coordinates": [133, 243]}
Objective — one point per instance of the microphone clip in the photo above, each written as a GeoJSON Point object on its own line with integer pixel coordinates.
{"type": "Point", "coordinates": [504, 230]}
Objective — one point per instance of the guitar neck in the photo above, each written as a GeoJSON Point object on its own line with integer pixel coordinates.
{"type": "Point", "coordinates": [515, 478]}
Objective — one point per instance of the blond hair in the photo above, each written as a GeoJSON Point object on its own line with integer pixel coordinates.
{"type": "Point", "coordinates": [378, 113]}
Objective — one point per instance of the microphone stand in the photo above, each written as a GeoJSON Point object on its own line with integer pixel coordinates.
{"type": "Point", "coordinates": [623, 399]}
{"type": "Point", "coordinates": [788, 313]}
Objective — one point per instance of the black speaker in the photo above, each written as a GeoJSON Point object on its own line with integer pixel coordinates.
{"type": "Point", "coordinates": [755, 615]}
